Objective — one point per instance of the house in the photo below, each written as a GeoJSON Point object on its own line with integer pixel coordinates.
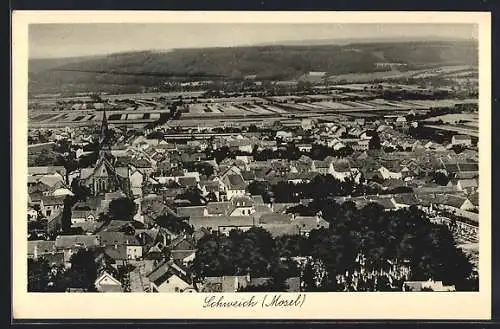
{"type": "Point", "coordinates": [453, 202]}
{"type": "Point", "coordinates": [467, 170]}
{"type": "Point", "coordinates": [233, 185]}
{"type": "Point", "coordinates": [51, 204]}
{"type": "Point", "coordinates": [68, 242]}
{"type": "Point", "coordinates": [107, 283]}
{"type": "Point", "coordinates": [82, 216]}
{"type": "Point", "coordinates": [32, 214]}
{"type": "Point", "coordinates": [136, 178]}
{"type": "Point", "coordinates": [284, 135]}
{"type": "Point", "coordinates": [400, 121]}
{"type": "Point", "coordinates": [39, 248]}
{"type": "Point", "coordinates": [281, 229]}
{"type": "Point", "coordinates": [210, 188]}
{"type": "Point", "coordinates": [231, 283]}
{"type": "Point", "coordinates": [223, 224]}
{"type": "Point", "coordinates": [308, 223]}
{"type": "Point", "coordinates": [241, 206]}
{"type": "Point", "coordinates": [426, 286]}
{"type": "Point", "coordinates": [170, 277]}
{"type": "Point", "coordinates": [322, 167]}
{"type": "Point", "coordinates": [340, 170]}
{"type": "Point", "coordinates": [54, 222]}
{"type": "Point", "coordinates": [467, 185]}
{"type": "Point", "coordinates": [405, 200]}
{"type": "Point", "coordinates": [133, 248]}
{"type": "Point", "coordinates": [361, 145]}
{"type": "Point", "coordinates": [463, 140]}
{"type": "Point", "coordinates": [304, 147]}
{"type": "Point", "coordinates": [46, 170]}
{"type": "Point", "coordinates": [192, 211]}
{"type": "Point", "coordinates": [393, 173]}
{"type": "Point", "coordinates": [359, 121]}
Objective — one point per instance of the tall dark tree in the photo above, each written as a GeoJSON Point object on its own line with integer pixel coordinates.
{"type": "Point", "coordinates": [122, 209]}
{"type": "Point", "coordinates": [374, 143]}
{"type": "Point", "coordinates": [66, 214]}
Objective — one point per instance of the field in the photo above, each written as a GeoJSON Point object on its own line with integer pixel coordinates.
{"type": "Point", "coordinates": [245, 110]}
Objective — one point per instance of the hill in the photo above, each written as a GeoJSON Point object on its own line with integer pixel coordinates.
{"type": "Point", "coordinates": [126, 72]}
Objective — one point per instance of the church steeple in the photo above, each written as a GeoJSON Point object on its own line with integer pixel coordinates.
{"type": "Point", "coordinates": [103, 139]}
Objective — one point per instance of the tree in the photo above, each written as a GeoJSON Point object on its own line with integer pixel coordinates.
{"type": "Point", "coordinates": [122, 209]}
{"type": "Point", "coordinates": [174, 224]}
{"type": "Point", "coordinates": [38, 275]}
{"type": "Point", "coordinates": [66, 214]}
{"type": "Point", "coordinates": [83, 271]}
{"type": "Point", "coordinates": [374, 143]}
{"type": "Point", "coordinates": [440, 178]}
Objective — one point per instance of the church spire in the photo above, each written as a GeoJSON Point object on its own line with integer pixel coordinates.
{"type": "Point", "coordinates": [104, 130]}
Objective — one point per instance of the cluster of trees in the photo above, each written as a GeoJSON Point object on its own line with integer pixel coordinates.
{"type": "Point", "coordinates": [397, 239]}
{"type": "Point", "coordinates": [319, 187]}
{"type": "Point", "coordinates": [254, 252]}
{"type": "Point", "coordinates": [42, 277]}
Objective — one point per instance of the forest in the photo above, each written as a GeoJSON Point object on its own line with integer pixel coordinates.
{"type": "Point", "coordinates": [132, 71]}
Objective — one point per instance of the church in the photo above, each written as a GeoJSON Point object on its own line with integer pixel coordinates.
{"type": "Point", "coordinates": [104, 177]}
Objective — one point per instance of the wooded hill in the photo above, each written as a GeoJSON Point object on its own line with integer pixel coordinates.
{"type": "Point", "coordinates": [134, 70]}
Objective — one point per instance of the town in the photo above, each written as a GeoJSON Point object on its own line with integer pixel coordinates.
{"type": "Point", "coordinates": [323, 183]}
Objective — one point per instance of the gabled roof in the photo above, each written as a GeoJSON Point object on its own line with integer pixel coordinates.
{"type": "Point", "coordinates": [46, 170]}
{"type": "Point", "coordinates": [406, 199]}
{"type": "Point", "coordinates": [451, 200]}
{"type": "Point", "coordinates": [321, 164]}
{"type": "Point", "coordinates": [474, 199]}
{"type": "Point", "coordinates": [187, 181]}
{"type": "Point", "coordinates": [275, 218]}
{"type": "Point", "coordinates": [461, 137]}
{"type": "Point", "coordinates": [193, 211]}
{"type": "Point", "coordinates": [242, 201]}
{"type": "Point", "coordinates": [235, 182]}
{"type": "Point", "coordinates": [49, 200]}
{"type": "Point", "coordinates": [118, 252]}
{"type": "Point", "coordinates": [108, 283]}
{"type": "Point", "coordinates": [308, 223]}
{"type": "Point", "coordinates": [43, 246]}
{"type": "Point", "coordinates": [218, 221]}
{"type": "Point", "coordinates": [109, 238]}
{"type": "Point", "coordinates": [165, 270]}
{"type": "Point", "coordinates": [468, 167]}
{"type": "Point", "coordinates": [71, 241]}
{"type": "Point", "coordinates": [53, 181]}
{"type": "Point", "coordinates": [218, 208]}
{"type": "Point", "coordinates": [210, 186]}
{"type": "Point", "coordinates": [257, 199]}
{"type": "Point", "coordinates": [280, 229]}
{"type": "Point", "coordinates": [465, 183]}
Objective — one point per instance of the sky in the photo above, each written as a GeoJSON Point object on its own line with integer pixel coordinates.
{"type": "Point", "coordinates": [71, 40]}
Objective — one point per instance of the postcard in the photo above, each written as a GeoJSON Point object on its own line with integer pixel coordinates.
{"type": "Point", "coordinates": [251, 165]}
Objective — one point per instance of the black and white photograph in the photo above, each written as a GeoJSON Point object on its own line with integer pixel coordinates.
{"type": "Point", "coordinates": [190, 158]}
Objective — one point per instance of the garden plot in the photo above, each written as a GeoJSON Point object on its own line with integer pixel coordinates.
{"type": "Point", "coordinates": [335, 105]}
{"type": "Point", "coordinates": [135, 116]}
{"type": "Point", "coordinates": [274, 109]}
{"type": "Point", "coordinates": [260, 110]}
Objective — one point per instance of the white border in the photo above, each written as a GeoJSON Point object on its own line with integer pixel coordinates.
{"type": "Point", "coordinates": [178, 306]}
